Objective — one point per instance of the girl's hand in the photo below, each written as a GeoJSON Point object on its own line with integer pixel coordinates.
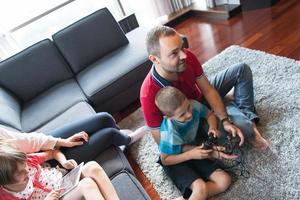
{"type": "Point", "coordinates": [215, 132]}
{"type": "Point", "coordinates": [54, 194]}
{"type": "Point", "coordinates": [75, 140]}
{"type": "Point", "coordinates": [69, 164]}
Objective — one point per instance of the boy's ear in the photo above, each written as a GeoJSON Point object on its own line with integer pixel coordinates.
{"type": "Point", "coordinates": [153, 59]}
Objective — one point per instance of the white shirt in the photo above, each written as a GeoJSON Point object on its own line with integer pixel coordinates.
{"type": "Point", "coordinates": [28, 142]}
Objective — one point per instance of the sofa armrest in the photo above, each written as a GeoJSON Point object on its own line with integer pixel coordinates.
{"type": "Point", "coordinates": [113, 161]}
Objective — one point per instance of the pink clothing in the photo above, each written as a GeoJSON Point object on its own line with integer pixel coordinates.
{"type": "Point", "coordinates": [29, 142]}
{"type": "Point", "coordinates": [41, 181]}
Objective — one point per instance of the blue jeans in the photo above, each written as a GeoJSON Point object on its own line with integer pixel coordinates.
{"type": "Point", "coordinates": [242, 110]}
{"type": "Point", "coordinates": [102, 130]}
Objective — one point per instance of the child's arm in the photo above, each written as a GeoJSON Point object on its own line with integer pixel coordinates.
{"type": "Point", "coordinates": [61, 158]}
{"type": "Point", "coordinates": [194, 153]}
{"type": "Point", "coordinates": [213, 124]}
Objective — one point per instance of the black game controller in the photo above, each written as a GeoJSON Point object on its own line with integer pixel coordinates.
{"type": "Point", "coordinates": [232, 145]}
{"type": "Point", "coordinates": [208, 144]}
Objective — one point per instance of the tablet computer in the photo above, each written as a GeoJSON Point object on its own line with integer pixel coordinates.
{"type": "Point", "coordinates": [71, 180]}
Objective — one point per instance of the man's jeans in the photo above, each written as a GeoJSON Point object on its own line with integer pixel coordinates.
{"type": "Point", "coordinates": [242, 110]}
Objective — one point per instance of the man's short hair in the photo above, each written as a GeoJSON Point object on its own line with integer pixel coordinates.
{"type": "Point", "coordinates": [153, 36]}
{"type": "Point", "coordinates": [9, 158]}
{"type": "Point", "coordinates": [168, 99]}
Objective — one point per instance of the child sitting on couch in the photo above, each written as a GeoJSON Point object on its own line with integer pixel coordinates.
{"type": "Point", "coordinates": [22, 177]}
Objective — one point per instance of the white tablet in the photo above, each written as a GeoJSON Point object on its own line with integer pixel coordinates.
{"type": "Point", "coordinates": [71, 180]}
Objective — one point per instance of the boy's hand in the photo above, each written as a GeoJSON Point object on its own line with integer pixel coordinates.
{"type": "Point", "coordinates": [69, 164]}
{"type": "Point", "coordinates": [75, 140]}
{"type": "Point", "coordinates": [54, 194]}
{"type": "Point", "coordinates": [199, 153]}
{"type": "Point", "coordinates": [215, 133]}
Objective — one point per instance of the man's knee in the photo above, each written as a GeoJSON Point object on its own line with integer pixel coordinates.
{"type": "Point", "coordinates": [245, 125]}
{"type": "Point", "coordinates": [222, 180]}
{"type": "Point", "coordinates": [244, 70]}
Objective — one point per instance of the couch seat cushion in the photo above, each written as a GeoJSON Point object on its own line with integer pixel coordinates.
{"type": "Point", "coordinates": [116, 71]}
{"type": "Point", "coordinates": [76, 112]}
{"type": "Point", "coordinates": [50, 104]}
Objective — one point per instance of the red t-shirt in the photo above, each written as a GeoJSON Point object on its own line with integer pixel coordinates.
{"type": "Point", "coordinates": [186, 83]}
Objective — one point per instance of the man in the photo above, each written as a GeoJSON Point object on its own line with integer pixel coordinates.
{"type": "Point", "coordinates": [175, 66]}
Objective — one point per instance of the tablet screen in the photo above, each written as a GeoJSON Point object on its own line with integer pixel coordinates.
{"type": "Point", "coordinates": [71, 180]}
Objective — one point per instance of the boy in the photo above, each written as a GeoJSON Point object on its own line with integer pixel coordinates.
{"type": "Point", "coordinates": [186, 163]}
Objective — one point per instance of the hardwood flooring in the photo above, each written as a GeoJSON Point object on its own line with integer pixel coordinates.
{"type": "Point", "coordinates": [274, 30]}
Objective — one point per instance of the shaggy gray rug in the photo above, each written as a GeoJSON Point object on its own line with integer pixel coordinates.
{"type": "Point", "coordinates": [275, 173]}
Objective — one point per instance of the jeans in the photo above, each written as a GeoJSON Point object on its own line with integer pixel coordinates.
{"type": "Point", "coordinates": [242, 110]}
{"type": "Point", "coordinates": [102, 130]}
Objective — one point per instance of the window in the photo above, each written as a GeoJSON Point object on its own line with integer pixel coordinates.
{"type": "Point", "coordinates": [27, 22]}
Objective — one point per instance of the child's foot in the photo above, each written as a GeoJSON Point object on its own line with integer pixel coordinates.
{"type": "Point", "coordinates": [138, 134]}
{"type": "Point", "coordinates": [135, 135]}
{"type": "Point", "coordinates": [258, 141]}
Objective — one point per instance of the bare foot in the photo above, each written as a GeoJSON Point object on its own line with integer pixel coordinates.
{"type": "Point", "coordinates": [230, 95]}
{"type": "Point", "coordinates": [258, 141]}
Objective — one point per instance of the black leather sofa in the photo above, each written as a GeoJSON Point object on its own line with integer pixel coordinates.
{"type": "Point", "coordinates": [89, 66]}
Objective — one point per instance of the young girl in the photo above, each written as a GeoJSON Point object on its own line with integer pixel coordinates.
{"type": "Point", "coordinates": [22, 177]}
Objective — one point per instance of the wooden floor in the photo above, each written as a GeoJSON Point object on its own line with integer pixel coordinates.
{"type": "Point", "coordinates": [274, 30]}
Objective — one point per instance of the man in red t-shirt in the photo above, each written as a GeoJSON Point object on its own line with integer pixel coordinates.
{"type": "Point", "coordinates": [175, 66]}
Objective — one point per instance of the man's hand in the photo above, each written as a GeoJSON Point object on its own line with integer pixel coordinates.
{"type": "Point", "coordinates": [75, 140]}
{"type": "Point", "coordinates": [215, 133]}
{"type": "Point", "coordinates": [218, 153]}
{"type": "Point", "coordinates": [234, 131]}
{"type": "Point", "coordinates": [199, 153]}
{"type": "Point", "coordinates": [69, 164]}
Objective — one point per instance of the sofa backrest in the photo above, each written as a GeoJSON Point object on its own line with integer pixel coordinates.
{"type": "Point", "coordinates": [33, 70]}
{"type": "Point", "coordinates": [89, 39]}
{"type": "Point", "coordinates": [10, 109]}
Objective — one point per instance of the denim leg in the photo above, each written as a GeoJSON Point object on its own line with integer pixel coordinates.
{"type": "Point", "coordinates": [238, 76]}
{"type": "Point", "coordinates": [240, 120]}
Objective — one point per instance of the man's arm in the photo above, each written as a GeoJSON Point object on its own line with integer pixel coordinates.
{"type": "Point", "coordinates": [156, 135]}
{"type": "Point", "coordinates": [216, 103]}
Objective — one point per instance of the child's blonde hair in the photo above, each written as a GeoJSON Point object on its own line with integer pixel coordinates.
{"type": "Point", "coordinates": [9, 158]}
{"type": "Point", "coordinates": [168, 99]}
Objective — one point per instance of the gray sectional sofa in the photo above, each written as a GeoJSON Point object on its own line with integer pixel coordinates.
{"type": "Point", "coordinates": [90, 66]}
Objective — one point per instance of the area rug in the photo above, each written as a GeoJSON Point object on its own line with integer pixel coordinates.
{"type": "Point", "coordinates": [275, 173]}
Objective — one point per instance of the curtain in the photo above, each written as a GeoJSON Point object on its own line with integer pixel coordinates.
{"type": "Point", "coordinates": [166, 7]}
{"type": "Point", "coordinates": [8, 45]}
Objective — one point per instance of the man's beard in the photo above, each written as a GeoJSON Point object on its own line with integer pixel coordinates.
{"type": "Point", "coordinates": [179, 68]}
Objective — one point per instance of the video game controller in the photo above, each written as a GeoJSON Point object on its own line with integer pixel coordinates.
{"type": "Point", "coordinates": [232, 144]}
{"type": "Point", "coordinates": [208, 144]}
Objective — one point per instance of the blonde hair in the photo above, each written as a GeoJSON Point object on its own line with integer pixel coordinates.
{"type": "Point", "coordinates": [168, 99]}
{"type": "Point", "coordinates": [9, 158]}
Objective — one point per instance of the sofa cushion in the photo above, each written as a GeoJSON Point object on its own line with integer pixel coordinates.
{"type": "Point", "coordinates": [33, 70]}
{"type": "Point", "coordinates": [10, 109]}
{"type": "Point", "coordinates": [117, 71]}
{"type": "Point", "coordinates": [128, 187]}
{"type": "Point", "coordinates": [50, 104]}
{"type": "Point", "coordinates": [78, 111]}
{"type": "Point", "coordinates": [89, 39]}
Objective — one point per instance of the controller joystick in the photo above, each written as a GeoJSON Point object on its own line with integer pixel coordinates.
{"type": "Point", "coordinates": [208, 144]}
